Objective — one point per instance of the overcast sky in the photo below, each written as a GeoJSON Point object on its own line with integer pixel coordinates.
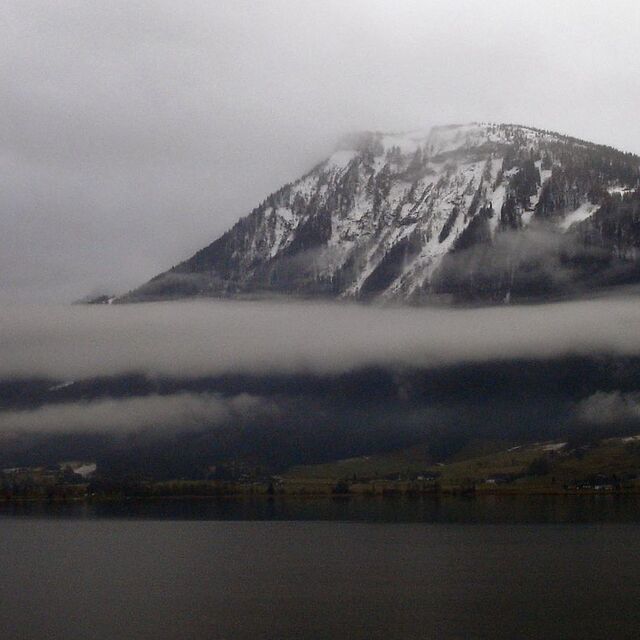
{"type": "Point", "coordinates": [134, 133]}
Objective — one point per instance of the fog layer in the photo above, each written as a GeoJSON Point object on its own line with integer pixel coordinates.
{"type": "Point", "coordinates": [183, 410]}
{"type": "Point", "coordinates": [215, 337]}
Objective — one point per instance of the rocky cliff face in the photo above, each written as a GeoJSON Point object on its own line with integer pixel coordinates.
{"type": "Point", "coordinates": [480, 211]}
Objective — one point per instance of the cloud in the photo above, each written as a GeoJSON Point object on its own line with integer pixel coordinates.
{"type": "Point", "coordinates": [191, 339]}
{"type": "Point", "coordinates": [536, 261]}
{"type": "Point", "coordinates": [179, 411]}
{"type": "Point", "coordinates": [609, 408]}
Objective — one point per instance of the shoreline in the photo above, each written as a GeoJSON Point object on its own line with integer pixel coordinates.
{"type": "Point", "coordinates": [320, 497]}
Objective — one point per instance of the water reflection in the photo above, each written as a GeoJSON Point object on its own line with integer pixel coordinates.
{"type": "Point", "coordinates": [451, 510]}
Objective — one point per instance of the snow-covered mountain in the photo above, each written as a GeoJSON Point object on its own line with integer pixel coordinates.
{"type": "Point", "coordinates": [473, 211]}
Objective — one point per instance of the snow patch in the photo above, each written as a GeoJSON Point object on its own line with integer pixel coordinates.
{"type": "Point", "coordinates": [497, 200]}
{"type": "Point", "coordinates": [86, 470]}
{"type": "Point", "coordinates": [618, 190]}
{"type": "Point", "coordinates": [62, 385]}
{"type": "Point", "coordinates": [284, 213]}
{"type": "Point", "coordinates": [584, 211]}
{"type": "Point", "coordinates": [553, 446]}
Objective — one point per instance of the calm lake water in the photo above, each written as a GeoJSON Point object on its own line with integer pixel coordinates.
{"type": "Point", "coordinates": [356, 569]}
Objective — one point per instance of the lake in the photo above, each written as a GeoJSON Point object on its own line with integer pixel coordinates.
{"type": "Point", "coordinates": [359, 569]}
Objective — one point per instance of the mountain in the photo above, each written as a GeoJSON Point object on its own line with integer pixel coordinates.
{"type": "Point", "coordinates": [478, 211]}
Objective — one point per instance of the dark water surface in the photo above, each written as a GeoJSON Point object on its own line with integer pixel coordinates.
{"type": "Point", "coordinates": [368, 569]}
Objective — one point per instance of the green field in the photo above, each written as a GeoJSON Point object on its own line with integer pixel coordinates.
{"type": "Point", "coordinates": [611, 464]}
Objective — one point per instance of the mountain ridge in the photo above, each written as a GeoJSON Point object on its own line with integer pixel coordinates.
{"type": "Point", "coordinates": [481, 211]}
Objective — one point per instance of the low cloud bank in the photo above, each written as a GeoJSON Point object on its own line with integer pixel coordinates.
{"type": "Point", "coordinates": [218, 337]}
{"type": "Point", "coordinates": [609, 408]}
{"type": "Point", "coordinates": [178, 411]}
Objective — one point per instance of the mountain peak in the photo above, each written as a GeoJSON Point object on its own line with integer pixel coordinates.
{"type": "Point", "coordinates": [446, 137]}
{"type": "Point", "coordinates": [496, 211]}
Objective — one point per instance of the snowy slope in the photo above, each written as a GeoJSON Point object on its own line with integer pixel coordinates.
{"type": "Point", "coordinates": [377, 218]}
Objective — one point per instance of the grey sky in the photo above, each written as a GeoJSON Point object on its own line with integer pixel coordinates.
{"type": "Point", "coordinates": [133, 133]}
